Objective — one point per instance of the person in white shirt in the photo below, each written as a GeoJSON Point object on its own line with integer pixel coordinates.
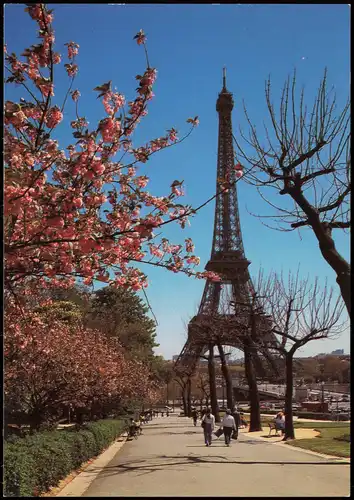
{"type": "Point", "coordinates": [229, 425]}
{"type": "Point", "coordinates": [208, 424]}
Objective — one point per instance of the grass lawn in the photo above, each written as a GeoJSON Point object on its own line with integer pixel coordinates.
{"type": "Point", "coordinates": [335, 441]}
{"type": "Point", "coordinates": [334, 438]}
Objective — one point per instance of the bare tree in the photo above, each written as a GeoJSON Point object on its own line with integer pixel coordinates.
{"type": "Point", "coordinates": [185, 384]}
{"type": "Point", "coordinates": [227, 375]}
{"type": "Point", "coordinates": [203, 386]}
{"type": "Point", "coordinates": [301, 312]}
{"type": "Point", "coordinates": [250, 349]}
{"type": "Point", "coordinates": [306, 159]}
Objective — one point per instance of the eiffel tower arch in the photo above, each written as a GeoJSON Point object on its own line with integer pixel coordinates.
{"type": "Point", "coordinates": [223, 317]}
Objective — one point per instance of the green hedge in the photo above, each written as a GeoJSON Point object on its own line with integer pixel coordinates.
{"type": "Point", "coordinates": [38, 462]}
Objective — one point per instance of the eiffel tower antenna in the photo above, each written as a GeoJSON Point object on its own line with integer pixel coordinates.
{"type": "Point", "coordinates": [224, 78]}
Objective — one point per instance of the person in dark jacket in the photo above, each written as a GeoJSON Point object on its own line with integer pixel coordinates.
{"type": "Point", "coordinates": [194, 416]}
{"type": "Point", "coordinates": [237, 418]}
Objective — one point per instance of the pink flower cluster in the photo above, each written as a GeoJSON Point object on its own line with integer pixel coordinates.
{"type": "Point", "coordinates": [53, 117]}
{"type": "Point", "coordinates": [62, 226]}
{"type": "Point", "coordinates": [71, 69]}
{"type": "Point", "coordinates": [73, 49]}
{"type": "Point", "coordinates": [79, 123]}
{"type": "Point", "coordinates": [110, 129]}
{"type": "Point", "coordinates": [112, 101]}
{"type": "Point", "coordinates": [238, 170]}
{"type": "Point", "coordinates": [56, 58]}
{"type": "Point", "coordinates": [46, 88]}
{"type": "Point", "coordinates": [189, 245]}
{"type": "Point", "coordinates": [172, 135]}
{"type": "Point", "coordinates": [210, 275]}
{"type": "Point", "coordinates": [193, 260]}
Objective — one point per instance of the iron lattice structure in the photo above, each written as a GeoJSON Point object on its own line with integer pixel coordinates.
{"type": "Point", "coordinates": [224, 311]}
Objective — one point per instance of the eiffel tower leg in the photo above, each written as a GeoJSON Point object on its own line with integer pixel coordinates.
{"type": "Point", "coordinates": [227, 377]}
{"type": "Point", "coordinates": [255, 421]}
{"type": "Point", "coordinates": [212, 383]}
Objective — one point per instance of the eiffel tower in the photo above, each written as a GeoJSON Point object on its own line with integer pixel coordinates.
{"type": "Point", "coordinates": [224, 311]}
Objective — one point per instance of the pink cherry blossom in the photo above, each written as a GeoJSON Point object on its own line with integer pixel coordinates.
{"type": "Point", "coordinates": [73, 49]}
{"type": "Point", "coordinates": [71, 69]}
{"type": "Point", "coordinates": [56, 58]}
{"type": "Point", "coordinates": [58, 223]}
{"type": "Point", "coordinates": [53, 117]}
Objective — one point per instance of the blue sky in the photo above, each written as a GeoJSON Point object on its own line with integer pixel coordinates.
{"type": "Point", "coordinates": [189, 45]}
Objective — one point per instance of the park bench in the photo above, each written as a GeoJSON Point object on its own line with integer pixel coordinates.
{"type": "Point", "coordinates": [272, 427]}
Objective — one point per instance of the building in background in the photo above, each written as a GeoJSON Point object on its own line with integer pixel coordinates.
{"type": "Point", "coordinates": [338, 352]}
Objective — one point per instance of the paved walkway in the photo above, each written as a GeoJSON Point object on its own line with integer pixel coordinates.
{"type": "Point", "coordinates": [170, 459]}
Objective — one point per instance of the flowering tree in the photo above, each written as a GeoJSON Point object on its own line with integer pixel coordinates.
{"type": "Point", "coordinates": [51, 363]}
{"type": "Point", "coordinates": [83, 211]}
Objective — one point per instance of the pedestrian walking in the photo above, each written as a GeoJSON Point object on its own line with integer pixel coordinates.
{"type": "Point", "coordinates": [237, 418]}
{"type": "Point", "coordinates": [194, 416]}
{"type": "Point", "coordinates": [229, 425]}
{"type": "Point", "coordinates": [208, 424]}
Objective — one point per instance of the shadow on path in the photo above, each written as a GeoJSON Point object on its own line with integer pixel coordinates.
{"type": "Point", "coordinates": [163, 461]}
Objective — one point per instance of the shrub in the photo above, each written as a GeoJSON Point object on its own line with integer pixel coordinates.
{"type": "Point", "coordinates": [38, 462]}
{"type": "Point", "coordinates": [19, 466]}
{"type": "Point", "coordinates": [89, 443]}
{"type": "Point", "coordinates": [105, 431]}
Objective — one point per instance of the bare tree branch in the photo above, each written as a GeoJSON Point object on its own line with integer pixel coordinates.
{"type": "Point", "coordinates": [307, 161]}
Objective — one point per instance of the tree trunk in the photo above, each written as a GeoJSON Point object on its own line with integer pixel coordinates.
{"type": "Point", "coordinates": [227, 377]}
{"type": "Point", "coordinates": [184, 401]}
{"type": "Point", "coordinates": [289, 424]}
{"type": "Point", "coordinates": [35, 420]}
{"type": "Point", "coordinates": [212, 383]}
{"type": "Point", "coordinates": [255, 420]}
{"type": "Point", "coordinates": [344, 282]}
{"type": "Point", "coordinates": [189, 405]}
